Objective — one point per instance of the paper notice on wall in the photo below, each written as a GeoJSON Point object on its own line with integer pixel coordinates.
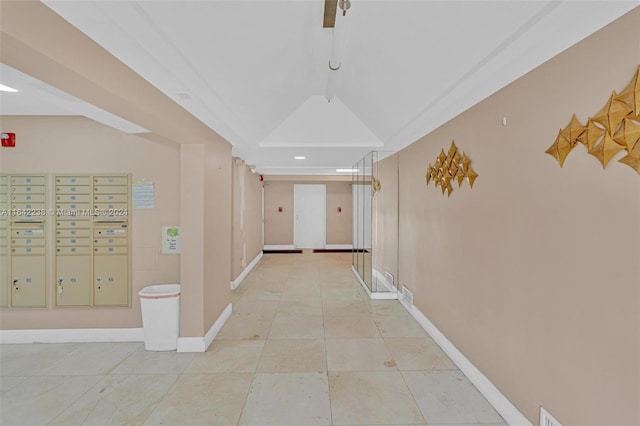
{"type": "Point", "coordinates": [143, 197]}
{"type": "Point", "coordinates": [170, 240]}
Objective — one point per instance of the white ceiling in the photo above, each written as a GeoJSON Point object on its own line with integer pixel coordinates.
{"type": "Point", "coordinates": [256, 71]}
{"type": "Point", "coordinates": [38, 98]}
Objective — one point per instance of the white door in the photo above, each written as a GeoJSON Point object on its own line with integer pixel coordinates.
{"type": "Point", "coordinates": [309, 206]}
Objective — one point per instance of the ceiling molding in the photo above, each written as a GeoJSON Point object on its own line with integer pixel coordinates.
{"type": "Point", "coordinates": [38, 42]}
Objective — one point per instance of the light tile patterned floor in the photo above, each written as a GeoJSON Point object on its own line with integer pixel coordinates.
{"type": "Point", "coordinates": [304, 346]}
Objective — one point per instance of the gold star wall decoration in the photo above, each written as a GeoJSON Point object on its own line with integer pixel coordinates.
{"type": "Point", "coordinates": [375, 185]}
{"type": "Point", "coordinates": [616, 127]}
{"type": "Point", "coordinates": [450, 167]}
{"type": "Point", "coordinates": [632, 159]}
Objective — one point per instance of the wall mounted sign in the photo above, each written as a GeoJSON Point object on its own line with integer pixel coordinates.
{"type": "Point", "coordinates": [143, 197]}
{"type": "Point", "coordinates": [170, 240]}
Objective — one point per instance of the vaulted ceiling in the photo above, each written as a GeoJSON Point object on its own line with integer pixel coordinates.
{"type": "Point", "coordinates": [256, 72]}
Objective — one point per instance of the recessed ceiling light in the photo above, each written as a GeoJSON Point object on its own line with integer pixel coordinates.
{"type": "Point", "coordinates": [347, 170]}
{"type": "Point", "coordinates": [300, 157]}
{"type": "Point", "coordinates": [4, 88]}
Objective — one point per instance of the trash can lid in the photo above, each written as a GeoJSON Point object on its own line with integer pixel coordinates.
{"type": "Point", "coordinates": [160, 291]}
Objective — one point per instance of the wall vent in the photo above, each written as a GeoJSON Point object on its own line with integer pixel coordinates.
{"type": "Point", "coordinates": [388, 279]}
{"type": "Point", "coordinates": [547, 419]}
{"type": "Point", "coordinates": [407, 296]}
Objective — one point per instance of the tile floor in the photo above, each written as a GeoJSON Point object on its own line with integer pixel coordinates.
{"type": "Point", "coordinates": [304, 346]}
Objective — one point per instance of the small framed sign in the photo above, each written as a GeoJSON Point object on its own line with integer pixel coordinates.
{"type": "Point", "coordinates": [170, 240]}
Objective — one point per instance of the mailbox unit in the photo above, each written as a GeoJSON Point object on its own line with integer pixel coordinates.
{"type": "Point", "coordinates": [4, 241]}
{"type": "Point", "coordinates": [91, 248]}
{"type": "Point", "coordinates": [93, 265]}
{"type": "Point", "coordinates": [24, 247]}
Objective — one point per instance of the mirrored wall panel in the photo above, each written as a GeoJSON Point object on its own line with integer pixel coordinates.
{"type": "Point", "coordinates": [375, 226]}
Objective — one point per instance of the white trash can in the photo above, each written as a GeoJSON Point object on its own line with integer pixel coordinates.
{"type": "Point", "coordinates": [160, 306]}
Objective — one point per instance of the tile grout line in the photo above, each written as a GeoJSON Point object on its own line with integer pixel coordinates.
{"type": "Point", "coordinates": [76, 400]}
{"type": "Point", "coordinates": [326, 352]}
{"type": "Point", "coordinates": [253, 379]}
{"type": "Point", "coordinates": [178, 376]}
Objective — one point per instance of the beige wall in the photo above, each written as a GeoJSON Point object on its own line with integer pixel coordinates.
{"type": "Point", "coordinates": [278, 225]}
{"type": "Point", "coordinates": [246, 217]}
{"type": "Point", "coordinates": [192, 254]}
{"type": "Point", "coordinates": [339, 223]}
{"type": "Point", "coordinates": [278, 192]}
{"type": "Point", "coordinates": [79, 145]}
{"type": "Point", "coordinates": [534, 274]}
{"type": "Point", "coordinates": [192, 186]}
{"type": "Point", "coordinates": [217, 231]}
{"type": "Point", "coordinates": [205, 210]}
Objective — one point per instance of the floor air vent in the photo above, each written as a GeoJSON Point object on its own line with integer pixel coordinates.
{"type": "Point", "coordinates": [547, 419]}
{"type": "Point", "coordinates": [407, 296]}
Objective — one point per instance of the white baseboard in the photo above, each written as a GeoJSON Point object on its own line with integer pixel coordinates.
{"type": "Point", "coordinates": [279, 247]}
{"type": "Point", "coordinates": [376, 295]}
{"type": "Point", "coordinates": [80, 335]}
{"type": "Point", "coordinates": [338, 246]}
{"type": "Point", "coordinates": [95, 335]}
{"type": "Point", "coordinates": [503, 406]}
{"type": "Point", "coordinates": [235, 283]}
{"type": "Point", "coordinates": [200, 344]}
{"type": "Point", "coordinates": [384, 295]}
{"type": "Point", "coordinates": [191, 344]}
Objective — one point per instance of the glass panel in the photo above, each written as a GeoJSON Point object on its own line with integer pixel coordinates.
{"type": "Point", "coordinates": [385, 222]}
{"type": "Point", "coordinates": [375, 209]}
{"type": "Point", "coordinates": [357, 217]}
{"type": "Point", "coordinates": [366, 221]}
{"type": "Point", "coordinates": [354, 231]}
{"type": "Point", "coordinates": [361, 218]}
{"type": "Point", "coordinates": [375, 221]}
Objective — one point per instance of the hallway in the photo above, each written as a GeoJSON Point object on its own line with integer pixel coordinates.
{"type": "Point", "coordinates": [304, 346]}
